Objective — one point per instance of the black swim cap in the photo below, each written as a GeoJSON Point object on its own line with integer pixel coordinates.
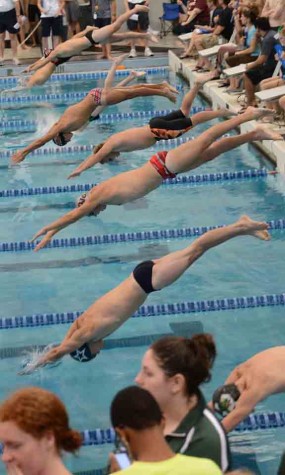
{"type": "Point", "coordinates": [225, 398]}
{"type": "Point", "coordinates": [60, 139]}
{"type": "Point", "coordinates": [83, 354]}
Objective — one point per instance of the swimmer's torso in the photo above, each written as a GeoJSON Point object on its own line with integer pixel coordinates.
{"type": "Point", "coordinates": [264, 372]}
{"type": "Point", "coordinates": [77, 115]}
{"type": "Point", "coordinates": [128, 186]}
{"type": "Point", "coordinates": [114, 308]}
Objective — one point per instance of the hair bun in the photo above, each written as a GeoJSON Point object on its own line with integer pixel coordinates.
{"type": "Point", "coordinates": [71, 441]}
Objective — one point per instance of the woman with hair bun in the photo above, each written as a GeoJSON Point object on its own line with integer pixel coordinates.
{"type": "Point", "coordinates": [173, 368]}
{"type": "Point", "coordinates": [34, 430]}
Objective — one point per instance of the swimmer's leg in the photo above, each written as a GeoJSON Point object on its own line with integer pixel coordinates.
{"type": "Point", "coordinates": [169, 268]}
{"type": "Point", "coordinates": [116, 95]}
{"type": "Point", "coordinates": [189, 98]}
{"type": "Point", "coordinates": [184, 157]}
{"type": "Point", "coordinates": [228, 143]}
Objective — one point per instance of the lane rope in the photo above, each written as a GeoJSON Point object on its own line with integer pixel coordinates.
{"type": "Point", "coordinates": [215, 305]}
{"type": "Point", "coordinates": [204, 178]}
{"type": "Point", "coordinates": [136, 236]}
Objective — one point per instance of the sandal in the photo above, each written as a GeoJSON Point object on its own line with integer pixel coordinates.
{"type": "Point", "coordinates": [197, 68]}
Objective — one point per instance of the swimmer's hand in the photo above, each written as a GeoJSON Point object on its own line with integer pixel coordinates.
{"type": "Point", "coordinates": [44, 231]}
{"type": "Point", "coordinates": [28, 368]}
{"type": "Point", "coordinates": [121, 58]}
{"type": "Point", "coordinates": [140, 8]}
{"type": "Point", "coordinates": [18, 157]}
{"type": "Point", "coordinates": [76, 172]}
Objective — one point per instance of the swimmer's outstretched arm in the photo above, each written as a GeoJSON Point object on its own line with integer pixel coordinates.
{"type": "Point", "coordinates": [51, 229]}
{"type": "Point", "coordinates": [78, 338]}
{"type": "Point", "coordinates": [244, 406]}
{"type": "Point", "coordinates": [21, 154]}
{"type": "Point", "coordinates": [100, 156]}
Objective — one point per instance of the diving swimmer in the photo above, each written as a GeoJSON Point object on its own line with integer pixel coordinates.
{"type": "Point", "coordinates": [85, 337]}
{"type": "Point", "coordinates": [255, 380]}
{"type": "Point", "coordinates": [92, 36]}
{"type": "Point", "coordinates": [134, 184]}
{"type": "Point", "coordinates": [166, 127]}
{"type": "Point", "coordinates": [79, 114]}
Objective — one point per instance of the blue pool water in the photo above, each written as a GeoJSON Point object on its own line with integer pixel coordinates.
{"type": "Point", "coordinates": [69, 279]}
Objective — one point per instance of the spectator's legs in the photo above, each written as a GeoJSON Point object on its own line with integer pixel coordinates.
{"type": "Point", "coordinates": [2, 46]}
{"type": "Point", "coordinates": [14, 46]}
{"type": "Point", "coordinates": [249, 90]}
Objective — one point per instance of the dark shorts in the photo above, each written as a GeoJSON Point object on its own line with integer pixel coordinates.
{"type": "Point", "coordinates": [7, 21]}
{"type": "Point", "coordinates": [101, 22]}
{"type": "Point", "coordinates": [72, 11]}
{"type": "Point", "coordinates": [33, 13]}
{"type": "Point", "coordinates": [143, 20]}
{"type": "Point", "coordinates": [257, 75]}
{"type": "Point", "coordinates": [51, 24]}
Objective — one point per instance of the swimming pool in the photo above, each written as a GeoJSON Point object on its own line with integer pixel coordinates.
{"type": "Point", "coordinates": [69, 279]}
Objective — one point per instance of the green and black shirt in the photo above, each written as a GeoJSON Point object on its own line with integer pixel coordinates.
{"type": "Point", "coordinates": [200, 434]}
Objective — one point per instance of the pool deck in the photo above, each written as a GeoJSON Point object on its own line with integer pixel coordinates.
{"type": "Point", "coordinates": [218, 97]}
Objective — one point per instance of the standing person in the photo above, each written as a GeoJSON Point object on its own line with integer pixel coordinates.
{"type": "Point", "coordinates": [34, 430]}
{"type": "Point", "coordinates": [248, 384]}
{"type": "Point", "coordinates": [172, 370]}
{"type": "Point", "coordinates": [138, 421]}
{"type": "Point", "coordinates": [274, 10]}
{"type": "Point", "coordinates": [138, 22]}
{"type": "Point", "coordinates": [9, 21]}
{"type": "Point", "coordinates": [51, 17]}
{"type": "Point", "coordinates": [104, 13]}
{"type": "Point", "coordinates": [84, 339]}
{"type": "Point", "coordinates": [33, 16]}
{"type": "Point", "coordinates": [72, 12]}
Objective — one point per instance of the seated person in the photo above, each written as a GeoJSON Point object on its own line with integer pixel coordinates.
{"type": "Point", "coordinates": [201, 37]}
{"type": "Point", "coordinates": [248, 50]}
{"type": "Point", "coordinates": [197, 12]}
{"type": "Point", "coordinates": [263, 67]}
{"type": "Point", "coordinates": [223, 29]}
{"type": "Point", "coordinates": [276, 81]}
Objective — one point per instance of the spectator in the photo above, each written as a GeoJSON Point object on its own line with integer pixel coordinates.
{"type": "Point", "coordinates": [275, 11]}
{"type": "Point", "coordinates": [139, 422]}
{"type": "Point", "coordinates": [263, 67]}
{"type": "Point", "coordinates": [197, 13]}
{"type": "Point", "coordinates": [72, 12]}
{"type": "Point", "coordinates": [173, 369]}
{"type": "Point", "coordinates": [104, 13]}
{"type": "Point", "coordinates": [138, 22]}
{"type": "Point", "coordinates": [248, 48]}
{"type": "Point", "coordinates": [34, 430]}
{"type": "Point", "coordinates": [201, 36]}
{"type": "Point", "coordinates": [9, 21]}
{"type": "Point", "coordinates": [51, 17]}
{"type": "Point", "coordinates": [223, 29]}
{"type": "Point", "coordinates": [33, 16]}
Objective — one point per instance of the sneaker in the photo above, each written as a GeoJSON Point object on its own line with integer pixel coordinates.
{"type": "Point", "coordinates": [16, 61]}
{"type": "Point", "coordinates": [133, 53]}
{"type": "Point", "coordinates": [148, 52]}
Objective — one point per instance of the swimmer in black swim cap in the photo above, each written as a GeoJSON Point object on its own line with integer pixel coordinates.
{"type": "Point", "coordinates": [62, 138]}
{"type": "Point", "coordinates": [84, 354]}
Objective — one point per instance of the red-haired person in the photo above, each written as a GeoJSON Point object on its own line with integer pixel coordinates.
{"type": "Point", "coordinates": [34, 430]}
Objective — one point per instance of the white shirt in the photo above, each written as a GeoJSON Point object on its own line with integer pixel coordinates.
{"type": "Point", "coordinates": [51, 7]}
{"type": "Point", "coordinates": [6, 5]}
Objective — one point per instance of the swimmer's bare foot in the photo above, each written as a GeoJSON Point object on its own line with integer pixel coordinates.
{"type": "Point", "coordinates": [170, 95]}
{"type": "Point", "coordinates": [265, 133]}
{"type": "Point", "coordinates": [171, 88]}
{"type": "Point", "coordinates": [202, 79]}
{"type": "Point", "coordinates": [151, 37]}
{"type": "Point", "coordinates": [257, 229]}
{"type": "Point", "coordinates": [137, 74]}
{"type": "Point", "coordinates": [257, 112]}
